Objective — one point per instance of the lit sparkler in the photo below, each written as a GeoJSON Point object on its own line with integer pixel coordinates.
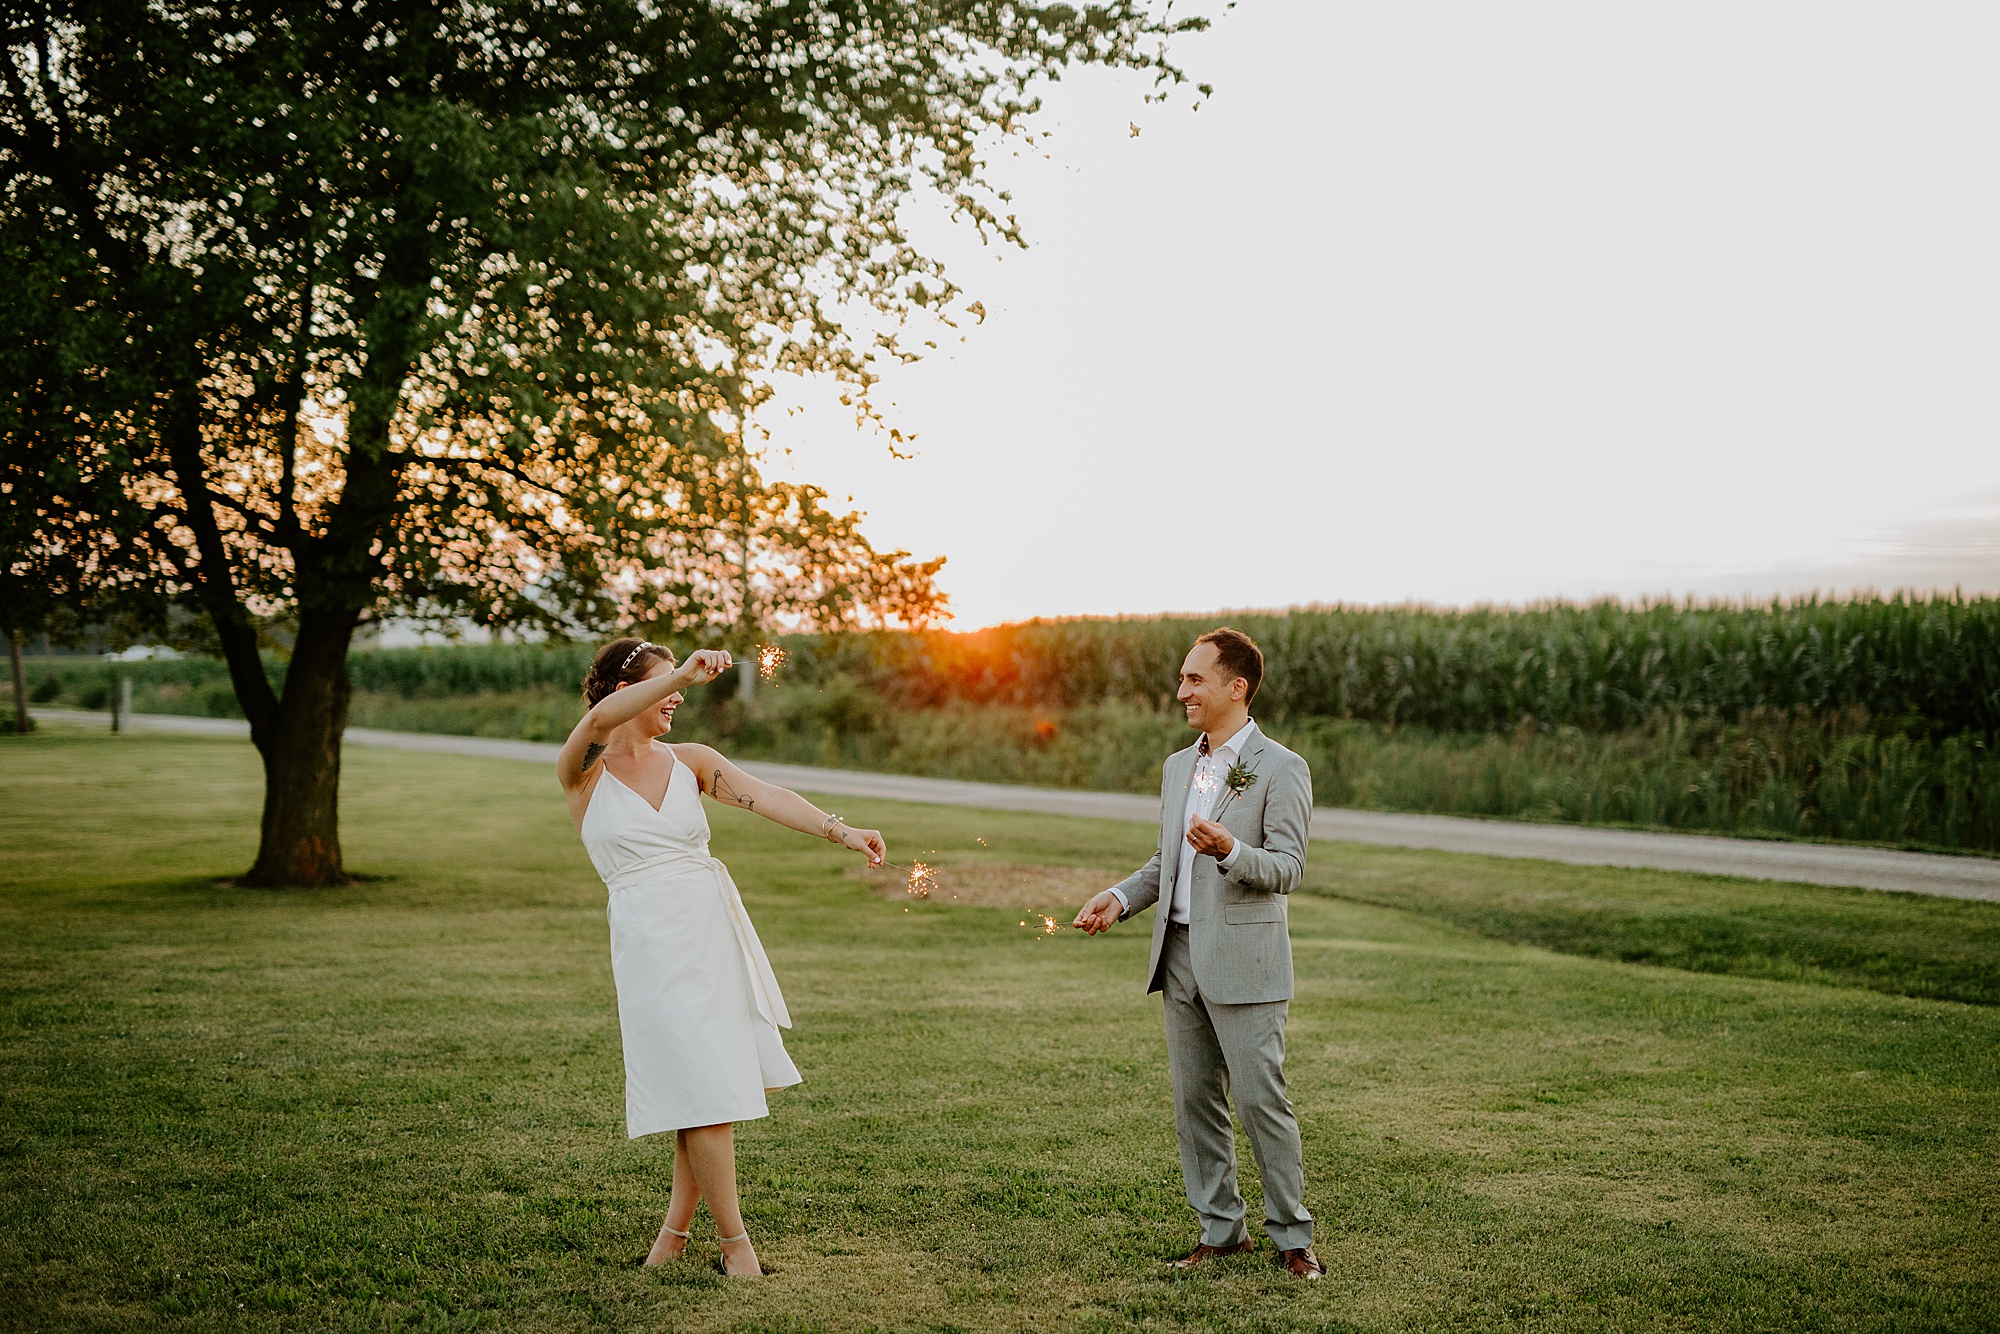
{"type": "Point", "coordinates": [769, 658]}
{"type": "Point", "coordinates": [923, 880]}
{"type": "Point", "coordinates": [1205, 781]}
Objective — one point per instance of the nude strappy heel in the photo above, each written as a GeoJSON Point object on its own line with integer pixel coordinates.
{"type": "Point", "coordinates": [670, 1231]}
{"type": "Point", "coordinates": [723, 1263]}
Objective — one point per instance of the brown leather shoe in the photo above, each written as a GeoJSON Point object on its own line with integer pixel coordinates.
{"type": "Point", "coordinates": [1208, 1252]}
{"type": "Point", "coordinates": [1301, 1263]}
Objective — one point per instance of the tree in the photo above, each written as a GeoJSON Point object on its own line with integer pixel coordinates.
{"type": "Point", "coordinates": [463, 308]}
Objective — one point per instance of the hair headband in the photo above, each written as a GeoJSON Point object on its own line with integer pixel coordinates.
{"type": "Point", "coordinates": [644, 644]}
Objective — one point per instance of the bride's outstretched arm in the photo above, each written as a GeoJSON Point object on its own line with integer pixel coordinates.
{"type": "Point", "coordinates": [732, 787]}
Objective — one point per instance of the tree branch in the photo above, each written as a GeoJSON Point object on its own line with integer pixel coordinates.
{"type": "Point", "coordinates": [217, 590]}
{"type": "Point", "coordinates": [171, 550]}
{"type": "Point", "coordinates": [261, 524]}
{"type": "Point", "coordinates": [19, 93]}
{"type": "Point", "coordinates": [51, 91]}
{"type": "Point", "coordinates": [290, 391]}
{"type": "Point", "coordinates": [36, 146]}
{"type": "Point", "coordinates": [462, 463]}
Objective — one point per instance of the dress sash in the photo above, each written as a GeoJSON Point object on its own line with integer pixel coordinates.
{"type": "Point", "coordinates": [675, 866]}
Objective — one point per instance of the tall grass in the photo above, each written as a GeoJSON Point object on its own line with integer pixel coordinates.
{"type": "Point", "coordinates": [1928, 666]}
{"type": "Point", "coordinates": [1874, 720]}
{"type": "Point", "coordinates": [1922, 667]}
{"type": "Point", "coordinates": [198, 686]}
{"type": "Point", "coordinates": [1771, 774]}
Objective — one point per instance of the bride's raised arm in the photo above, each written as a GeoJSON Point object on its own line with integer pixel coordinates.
{"type": "Point", "coordinates": [592, 733]}
{"type": "Point", "coordinates": [732, 787]}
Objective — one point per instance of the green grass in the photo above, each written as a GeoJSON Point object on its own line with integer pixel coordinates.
{"type": "Point", "coordinates": [399, 1105]}
{"type": "Point", "coordinates": [1903, 944]}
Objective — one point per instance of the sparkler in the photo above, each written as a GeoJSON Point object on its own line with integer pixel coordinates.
{"type": "Point", "coordinates": [769, 658]}
{"type": "Point", "coordinates": [1204, 785]}
{"type": "Point", "coordinates": [920, 878]}
{"type": "Point", "coordinates": [1205, 781]}
{"type": "Point", "coordinates": [923, 882]}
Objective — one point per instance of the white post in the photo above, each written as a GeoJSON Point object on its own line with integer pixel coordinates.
{"type": "Point", "coordinates": [125, 698]}
{"type": "Point", "coordinates": [22, 722]}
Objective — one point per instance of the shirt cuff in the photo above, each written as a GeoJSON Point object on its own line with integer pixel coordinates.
{"type": "Point", "coordinates": [1229, 862]}
{"type": "Point", "coordinates": [1123, 906]}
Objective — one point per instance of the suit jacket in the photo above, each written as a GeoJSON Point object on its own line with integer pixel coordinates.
{"type": "Point", "coordinates": [1241, 950]}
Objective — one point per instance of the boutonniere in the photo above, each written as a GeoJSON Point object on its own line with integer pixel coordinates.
{"type": "Point", "coordinates": [1238, 781]}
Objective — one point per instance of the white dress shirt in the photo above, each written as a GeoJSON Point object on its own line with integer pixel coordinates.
{"type": "Point", "coordinates": [1203, 795]}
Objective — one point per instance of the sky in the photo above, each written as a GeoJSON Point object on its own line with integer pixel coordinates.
{"type": "Point", "coordinates": [1466, 303]}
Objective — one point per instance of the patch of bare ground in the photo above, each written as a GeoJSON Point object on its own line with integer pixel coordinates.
{"type": "Point", "coordinates": [990, 884]}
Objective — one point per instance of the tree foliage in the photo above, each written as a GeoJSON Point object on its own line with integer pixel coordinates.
{"type": "Point", "coordinates": [462, 306]}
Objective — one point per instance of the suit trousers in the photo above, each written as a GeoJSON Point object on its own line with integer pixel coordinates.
{"type": "Point", "coordinates": [1212, 1051]}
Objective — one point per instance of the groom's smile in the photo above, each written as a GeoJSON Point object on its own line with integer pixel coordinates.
{"type": "Point", "coordinates": [1205, 688]}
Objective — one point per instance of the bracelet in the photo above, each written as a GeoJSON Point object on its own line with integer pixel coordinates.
{"type": "Point", "coordinates": [827, 827]}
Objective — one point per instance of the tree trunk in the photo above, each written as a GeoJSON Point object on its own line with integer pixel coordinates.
{"type": "Point", "coordinates": [301, 750]}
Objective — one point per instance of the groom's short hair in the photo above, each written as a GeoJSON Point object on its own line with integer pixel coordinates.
{"type": "Point", "coordinates": [1237, 654]}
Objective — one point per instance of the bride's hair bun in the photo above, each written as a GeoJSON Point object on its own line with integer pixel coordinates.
{"type": "Point", "coordinates": [620, 662]}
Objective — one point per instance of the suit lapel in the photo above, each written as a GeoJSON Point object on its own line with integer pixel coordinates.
{"type": "Point", "coordinates": [1252, 753]}
{"type": "Point", "coordinates": [1250, 757]}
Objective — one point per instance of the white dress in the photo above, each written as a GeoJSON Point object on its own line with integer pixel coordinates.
{"type": "Point", "coordinates": [697, 1002]}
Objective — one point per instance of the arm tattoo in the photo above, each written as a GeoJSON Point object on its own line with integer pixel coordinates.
{"type": "Point", "coordinates": [590, 754]}
{"type": "Point", "coordinates": [719, 788]}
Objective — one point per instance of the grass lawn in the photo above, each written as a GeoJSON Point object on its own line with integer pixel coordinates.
{"type": "Point", "coordinates": [1904, 944]}
{"type": "Point", "coordinates": [400, 1104]}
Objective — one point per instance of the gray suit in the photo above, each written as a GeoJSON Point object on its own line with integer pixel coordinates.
{"type": "Point", "coordinates": [1227, 976]}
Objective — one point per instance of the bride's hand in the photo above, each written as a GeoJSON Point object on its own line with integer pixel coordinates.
{"type": "Point", "coordinates": [868, 841]}
{"type": "Point", "coordinates": [705, 664]}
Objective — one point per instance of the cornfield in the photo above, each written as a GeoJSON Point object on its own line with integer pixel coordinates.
{"type": "Point", "coordinates": [1929, 667]}
{"type": "Point", "coordinates": [1919, 667]}
{"type": "Point", "coordinates": [1871, 720]}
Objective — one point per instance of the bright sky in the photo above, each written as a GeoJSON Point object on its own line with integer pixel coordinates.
{"type": "Point", "coordinates": [1463, 302]}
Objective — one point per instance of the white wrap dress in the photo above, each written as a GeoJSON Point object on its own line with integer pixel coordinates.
{"type": "Point", "coordinates": [698, 1005]}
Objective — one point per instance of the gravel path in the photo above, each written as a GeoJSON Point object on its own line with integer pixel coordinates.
{"type": "Point", "coordinates": [1811, 863]}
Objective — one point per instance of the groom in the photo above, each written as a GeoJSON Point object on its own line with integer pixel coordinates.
{"type": "Point", "coordinates": [1234, 808]}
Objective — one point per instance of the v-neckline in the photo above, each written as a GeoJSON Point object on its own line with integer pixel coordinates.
{"type": "Point", "coordinates": [674, 763]}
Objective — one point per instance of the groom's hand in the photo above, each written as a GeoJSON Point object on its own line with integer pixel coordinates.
{"type": "Point", "coordinates": [1210, 839]}
{"type": "Point", "coordinates": [1100, 914]}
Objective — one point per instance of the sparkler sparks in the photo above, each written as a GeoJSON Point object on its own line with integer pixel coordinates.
{"type": "Point", "coordinates": [923, 880]}
{"type": "Point", "coordinates": [769, 658]}
{"type": "Point", "coordinates": [1205, 782]}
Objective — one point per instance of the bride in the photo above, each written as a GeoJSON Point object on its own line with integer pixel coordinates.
{"type": "Point", "coordinates": [697, 1003]}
